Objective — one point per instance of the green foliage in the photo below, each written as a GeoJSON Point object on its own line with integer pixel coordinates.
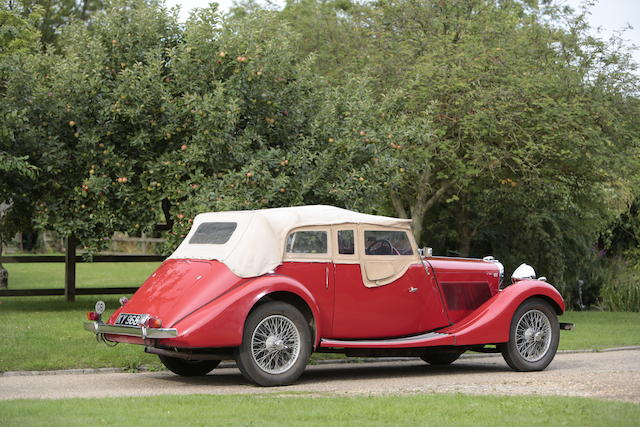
{"type": "Point", "coordinates": [17, 34]}
{"type": "Point", "coordinates": [533, 147]}
{"type": "Point", "coordinates": [86, 112]}
{"type": "Point", "coordinates": [498, 127]}
{"type": "Point", "coordinates": [54, 15]}
{"type": "Point", "coordinates": [621, 289]}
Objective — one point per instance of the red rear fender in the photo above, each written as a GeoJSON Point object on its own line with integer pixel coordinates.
{"type": "Point", "coordinates": [220, 323]}
{"type": "Point", "coordinates": [490, 322]}
{"type": "Point", "coordinates": [178, 287]}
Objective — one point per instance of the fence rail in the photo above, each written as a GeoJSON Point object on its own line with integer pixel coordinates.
{"type": "Point", "coordinates": [70, 259]}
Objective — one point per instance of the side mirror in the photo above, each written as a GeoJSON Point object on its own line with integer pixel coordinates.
{"type": "Point", "coordinates": [524, 271]}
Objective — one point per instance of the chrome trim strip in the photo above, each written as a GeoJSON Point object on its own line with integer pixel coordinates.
{"type": "Point", "coordinates": [132, 331]}
{"type": "Point", "coordinates": [382, 342]}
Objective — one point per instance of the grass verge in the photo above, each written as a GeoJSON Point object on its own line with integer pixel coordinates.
{"type": "Point", "coordinates": [299, 409]}
{"type": "Point", "coordinates": [600, 329]}
{"type": "Point", "coordinates": [88, 275]}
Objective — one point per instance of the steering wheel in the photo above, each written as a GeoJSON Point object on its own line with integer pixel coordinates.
{"type": "Point", "coordinates": [380, 247]}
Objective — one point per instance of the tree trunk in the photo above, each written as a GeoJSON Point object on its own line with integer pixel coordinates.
{"type": "Point", "coordinates": [421, 206]}
{"type": "Point", "coordinates": [465, 241]}
{"type": "Point", "coordinates": [418, 212]}
{"type": "Point", "coordinates": [83, 14]}
{"type": "Point", "coordinates": [465, 233]}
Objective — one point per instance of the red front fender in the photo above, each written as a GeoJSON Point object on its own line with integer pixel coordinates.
{"type": "Point", "coordinates": [490, 322]}
{"type": "Point", "coordinates": [220, 323]}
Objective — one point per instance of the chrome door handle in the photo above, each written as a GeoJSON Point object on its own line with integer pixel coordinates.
{"type": "Point", "coordinates": [412, 289]}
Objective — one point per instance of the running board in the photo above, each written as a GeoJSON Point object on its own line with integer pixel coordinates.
{"type": "Point", "coordinates": [423, 340]}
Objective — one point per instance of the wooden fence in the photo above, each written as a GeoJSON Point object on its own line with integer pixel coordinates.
{"type": "Point", "coordinates": [70, 259]}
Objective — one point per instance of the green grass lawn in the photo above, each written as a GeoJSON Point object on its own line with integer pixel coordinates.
{"type": "Point", "coordinates": [88, 275]}
{"type": "Point", "coordinates": [596, 330]}
{"type": "Point", "coordinates": [301, 409]}
{"type": "Point", "coordinates": [44, 333]}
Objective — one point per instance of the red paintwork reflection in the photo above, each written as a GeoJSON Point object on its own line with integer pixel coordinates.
{"type": "Point", "coordinates": [178, 287]}
{"type": "Point", "coordinates": [466, 283]}
{"type": "Point", "coordinates": [490, 322]}
{"type": "Point", "coordinates": [317, 278]}
{"type": "Point", "coordinates": [385, 311]}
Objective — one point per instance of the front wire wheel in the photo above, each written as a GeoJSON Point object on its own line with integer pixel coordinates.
{"type": "Point", "coordinates": [533, 336]}
{"type": "Point", "coordinates": [276, 345]}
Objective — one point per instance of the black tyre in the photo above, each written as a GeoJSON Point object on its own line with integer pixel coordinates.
{"type": "Point", "coordinates": [276, 345]}
{"type": "Point", "coordinates": [189, 368]}
{"type": "Point", "coordinates": [441, 357]}
{"type": "Point", "coordinates": [533, 337]}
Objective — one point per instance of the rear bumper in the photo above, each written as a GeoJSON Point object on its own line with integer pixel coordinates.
{"type": "Point", "coordinates": [131, 331]}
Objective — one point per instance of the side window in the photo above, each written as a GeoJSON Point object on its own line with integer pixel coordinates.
{"type": "Point", "coordinates": [307, 242]}
{"type": "Point", "coordinates": [346, 242]}
{"type": "Point", "coordinates": [387, 242]}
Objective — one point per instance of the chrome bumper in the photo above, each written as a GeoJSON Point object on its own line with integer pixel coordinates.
{"type": "Point", "coordinates": [132, 331]}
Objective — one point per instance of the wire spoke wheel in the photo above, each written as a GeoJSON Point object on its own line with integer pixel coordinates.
{"type": "Point", "coordinates": [275, 344]}
{"type": "Point", "coordinates": [533, 335]}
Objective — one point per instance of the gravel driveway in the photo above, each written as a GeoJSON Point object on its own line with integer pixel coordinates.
{"type": "Point", "coordinates": [613, 375]}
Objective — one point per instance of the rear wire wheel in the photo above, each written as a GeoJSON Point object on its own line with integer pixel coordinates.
{"type": "Point", "coordinates": [276, 345]}
{"type": "Point", "coordinates": [189, 368]}
{"type": "Point", "coordinates": [533, 336]}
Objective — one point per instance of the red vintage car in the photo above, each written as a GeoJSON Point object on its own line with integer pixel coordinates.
{"type": "Point", "coordinates": [269, 287]}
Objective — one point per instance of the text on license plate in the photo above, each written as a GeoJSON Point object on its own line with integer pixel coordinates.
{"type": "Point", "coordinates": [128, 319]}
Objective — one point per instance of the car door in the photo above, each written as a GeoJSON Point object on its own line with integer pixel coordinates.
{"type": "Point", "coordinates": [307, 259]}
{"type": "Point", "coordinates": [377, 288]}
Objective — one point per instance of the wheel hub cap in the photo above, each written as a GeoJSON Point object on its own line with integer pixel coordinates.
{"type": "Point", "coordinates": [274, 343]}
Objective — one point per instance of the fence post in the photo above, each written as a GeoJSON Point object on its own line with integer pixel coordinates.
{"type": "Point", "coordinates": [70, 269]}
{"type": "Point", "coordinates": [4, 274]}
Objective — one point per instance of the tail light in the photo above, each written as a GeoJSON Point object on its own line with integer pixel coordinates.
{"type": "Point", "coordinates": [150, 322]}
{"type": "Point", "coordinates": [154, 322]}
{"type": "Point", "coordinates": [92, 315]}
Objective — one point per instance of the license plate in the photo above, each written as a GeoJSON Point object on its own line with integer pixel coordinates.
{"type": "Point", "coordinates": [127, 319]}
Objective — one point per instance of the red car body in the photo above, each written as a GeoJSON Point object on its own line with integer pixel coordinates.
{"type": "Point", "coordinates": [431, 307]}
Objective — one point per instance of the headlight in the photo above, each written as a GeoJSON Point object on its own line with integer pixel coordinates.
{"type": "Point", "coordinates": [524, 271]}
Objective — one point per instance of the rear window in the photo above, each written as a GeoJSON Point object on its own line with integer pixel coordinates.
{"type": "Point", "coordinates": [213, 233]}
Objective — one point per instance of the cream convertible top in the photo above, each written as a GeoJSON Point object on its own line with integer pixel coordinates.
{"type": "Point", "coordinates": [257, 244]}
